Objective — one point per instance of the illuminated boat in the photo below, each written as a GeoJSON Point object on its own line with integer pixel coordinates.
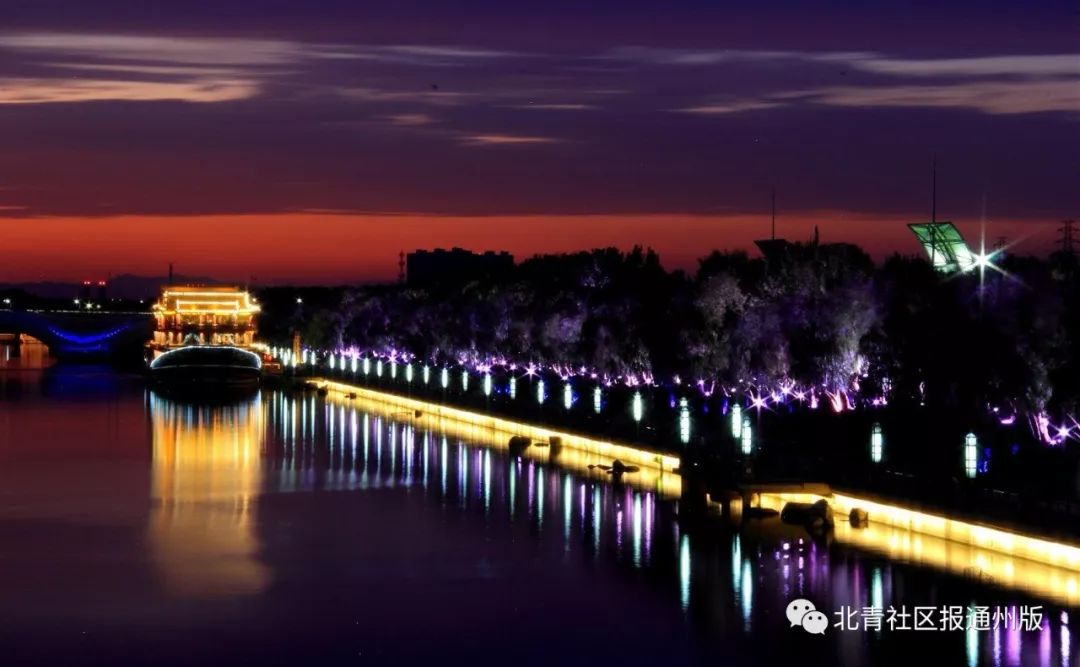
{"type": "Point", "coordinates": [204, 339]}
{"type": "Point", "coordinates": [207, 368]}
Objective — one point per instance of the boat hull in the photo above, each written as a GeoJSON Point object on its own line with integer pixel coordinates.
{"type": "Point", "coordinates": [207, 370]}
{"type": "Point", "coordinates": [198, 377]}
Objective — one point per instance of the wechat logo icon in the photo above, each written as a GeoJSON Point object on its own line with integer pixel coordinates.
{"type": "Point", "coordinates": [804, 614]}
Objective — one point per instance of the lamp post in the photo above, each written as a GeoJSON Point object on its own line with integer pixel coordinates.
{"type": "Point", "coordinates": [684, 421]}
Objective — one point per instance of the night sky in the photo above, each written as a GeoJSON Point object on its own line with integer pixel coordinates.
{"type": "Point", "coordinates": [312, 140]}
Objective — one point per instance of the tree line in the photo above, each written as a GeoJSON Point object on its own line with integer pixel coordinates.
{"type": "Point", "coordinates": [821, 320]}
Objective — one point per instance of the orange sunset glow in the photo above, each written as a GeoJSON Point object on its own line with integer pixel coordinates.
{"type": "Point", "coordinates": [327, 247]}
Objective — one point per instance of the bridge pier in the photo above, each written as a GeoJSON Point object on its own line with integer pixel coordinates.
{"type": "Point", "coordinates": [16, 345]}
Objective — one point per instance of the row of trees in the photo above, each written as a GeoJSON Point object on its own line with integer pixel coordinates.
{"type": "Point", "coordinates": [812, 318]}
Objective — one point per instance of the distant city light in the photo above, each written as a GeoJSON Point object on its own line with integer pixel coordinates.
{"type": "Point", "coordinates": [464, 380]}
{"type": "Point", "coordinates": [427, 374]}
{"type": "Point", "coordinates": [637, 407]}
{"type": "Point", "coordinates": [597, 400]}
{"type": "Point", "coordinates": [444, 378]}
{"type": "Point", "coordinates": [877, 441]}
{"type": "Point", "coordinates": [513, 387]}
{"type": "Point", "coordinates": [367, 365]}
{"type": "Point", "coordinates": [568, 396]}
{"type": "Point", "coordinates": [747, 437]}
{"type": "Point", "coordinates": [541, 393]}
{"type": "Point", "coordinates": [408, 373]}
{"type": "Point", "coordinates": [736, 421]}
{"type": "Point", "coordinates": [378, 368]}
{"type": "Point", "coordinates": [487, 384]}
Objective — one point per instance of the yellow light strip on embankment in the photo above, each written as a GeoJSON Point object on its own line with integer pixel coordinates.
{"type": "Point", "coordinates": [1004, 558]}
{"type": "Point", "coordinates": [656, 470]}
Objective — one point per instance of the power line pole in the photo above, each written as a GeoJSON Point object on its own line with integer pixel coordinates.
{"type": "Point", "coordinates": [401, 267]}
{"type": "Point", "coordinates": [1066, 240]}
{"type": "Point", "coordinates": [774, 214]}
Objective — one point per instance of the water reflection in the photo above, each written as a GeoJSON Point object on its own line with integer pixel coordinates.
{"type": "Point", "coordinates": [211, 465]}
{"type": "Point", "coordinates": [206, 478]}
{"type": "Point", "coordinates": [286, 502]}
{"type": "Point", "coordinates": [1034, 566]}
{"type": "Point", "coordinates": [31, 354]}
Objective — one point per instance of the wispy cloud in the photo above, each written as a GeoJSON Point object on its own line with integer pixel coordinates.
{"type": "Point", "coordinates": [150, 70]}
{"type": "Point", "coordinates": [984, 96]}
{"type": "Point", "coordinates": [158, 49]}
{"type": "Point", "coordinates": [991, 97]}
{"type": "Point", "coordinates": [1000, 85]}
{"type": "Point", "coordinates": [506, 140]}
{"type": "Point", "coordinates": [735, 106]}
{"type": "Point", "coordinates": [431, 97]}
{"type": "Point", "coordinates": [1038, 65]}
{"type": "Point", "coordinates": [470, 53]}
{"type": "Point", "coordinates": [555, 107]}
{"type": "Point", "coordinates": [700, 57]}
{"type": "Point", "coordinates": [410, 119]}
{"type": "Point", "coordinates": [234, 50]}
{"type": "Point", "coordinates": [49, 91]}
{"type": "Point", "coordinates": [986, 66]}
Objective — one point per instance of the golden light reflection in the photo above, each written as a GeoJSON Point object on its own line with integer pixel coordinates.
{"type": "Point", "coordinates": [206, 475]}
{"type": "Point", "coordinates": [993, 555]}
{"type": "Point", "coordinates": [656, 471]}
{"type": "Point", "coordinates": [32, 353]}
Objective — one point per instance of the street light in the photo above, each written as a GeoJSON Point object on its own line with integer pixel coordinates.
{"type": "Point", "coordinates": [877, 441]}
{"type": "Point", "coordinates": [971, 455]}
{"type": "Point", "coordinates": [747, 437]}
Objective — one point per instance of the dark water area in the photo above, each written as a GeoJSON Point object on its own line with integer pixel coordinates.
{"type": "Point", "coordinates": [138, 529]}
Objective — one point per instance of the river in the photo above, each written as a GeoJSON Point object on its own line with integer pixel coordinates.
{"type": "Point", "coordinates": [135, 529]}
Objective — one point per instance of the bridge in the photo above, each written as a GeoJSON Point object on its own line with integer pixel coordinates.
{"type": "Point", "coordinates": [73, 333]}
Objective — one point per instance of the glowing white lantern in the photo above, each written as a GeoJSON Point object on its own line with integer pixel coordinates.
{"type": "Point", "coordinates": [684, 421]}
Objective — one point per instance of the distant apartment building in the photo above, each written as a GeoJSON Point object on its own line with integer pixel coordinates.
{"type": "Point", "coordinates": [455, 266]}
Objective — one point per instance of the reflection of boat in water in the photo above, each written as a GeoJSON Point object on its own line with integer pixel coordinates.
{"type": "Point", "coordinates": [207, 367]}
{"type": "Point", "coordinates": [207, 473]}
{"type": "Point", "coordinates": [204, 340]}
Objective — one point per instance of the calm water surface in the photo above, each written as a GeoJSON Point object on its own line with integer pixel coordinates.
{"type": "Point", "coordinates": [135, 529]}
